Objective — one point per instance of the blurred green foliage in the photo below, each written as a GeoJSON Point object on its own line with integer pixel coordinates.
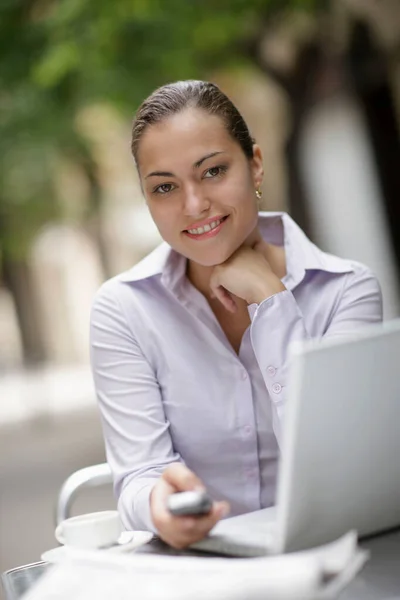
{"type": "Point", "coordinates": [58, 56]}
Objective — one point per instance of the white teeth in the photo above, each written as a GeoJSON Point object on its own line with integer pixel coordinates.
{"type": "Point", "coordinates": [215, 224]}
{"type": "Point", "coordinates": [205, 229]}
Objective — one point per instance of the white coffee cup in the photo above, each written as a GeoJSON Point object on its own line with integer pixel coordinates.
{"type": "Point", "coordinates": [91, 530]}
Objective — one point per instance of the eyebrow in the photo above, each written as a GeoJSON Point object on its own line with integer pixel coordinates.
{"type": "Point", "coordinates": [196, 165]}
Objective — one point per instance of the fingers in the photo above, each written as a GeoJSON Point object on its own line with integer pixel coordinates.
{"type": "Point", "coordinates": [221, 293]}
{"type": "Point", "coordinates": [181, 531]}
{"type": "Point", "coordinates": [225, 298]}
{"type": "Point", "coordinates": [182, 479]}
{"type": "Point", "coordinates": [192, 529]}
{"type": "Point", "coordinates": [158, 501]}
{"type": "Point", "coordinates": [175, 478]}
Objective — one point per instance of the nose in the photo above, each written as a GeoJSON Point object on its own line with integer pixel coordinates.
{"type": "Point", "coordinates": [196, 203]}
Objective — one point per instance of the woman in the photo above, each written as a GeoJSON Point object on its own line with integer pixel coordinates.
{"type": "Point", "coordinates": [189, 347]}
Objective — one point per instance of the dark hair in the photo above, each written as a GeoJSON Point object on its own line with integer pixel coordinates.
{"type": "Point", "coordinates": [174, 97]}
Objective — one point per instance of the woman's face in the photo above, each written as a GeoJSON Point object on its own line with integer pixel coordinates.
{"type": "Point", "coordinates": [199, 185]}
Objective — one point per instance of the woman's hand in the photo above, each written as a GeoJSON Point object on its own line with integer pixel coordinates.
{"type": "Point", "coordinates": [246, 274]}
{"type": "Point", "coordinates": [181, 531]}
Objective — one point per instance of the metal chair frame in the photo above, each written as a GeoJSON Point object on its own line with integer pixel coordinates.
{"type": "Point", "coordinates": [17, 581]}
{"type": "Point", "coordinates": [88, 477]}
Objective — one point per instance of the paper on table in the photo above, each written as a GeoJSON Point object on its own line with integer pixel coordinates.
{"type": "Point", "coordinates": [298, 576]}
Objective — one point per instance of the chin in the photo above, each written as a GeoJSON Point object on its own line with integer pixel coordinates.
{"type": "Point", "coordinates": [212, 259]}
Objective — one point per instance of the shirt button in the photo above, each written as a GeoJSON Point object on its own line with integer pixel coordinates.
{"type": "Point", "coordinates": [277, 388]}
{"type": "Point", "coordinates": [271, 370]}
{"type": "Point", "coordinates": [248, 429]}
{"type": "Point", "coordinates": [243, 375]}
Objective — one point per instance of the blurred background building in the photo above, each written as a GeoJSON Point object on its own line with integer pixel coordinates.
{"type": "Point", "coordinates": [319, 85]}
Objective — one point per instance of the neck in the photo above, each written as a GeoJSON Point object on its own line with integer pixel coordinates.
{"type": "Point", "coordinates": [199, 276]}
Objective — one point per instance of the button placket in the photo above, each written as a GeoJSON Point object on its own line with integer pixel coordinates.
{"type": "Point", "coordinates": [247, 433]}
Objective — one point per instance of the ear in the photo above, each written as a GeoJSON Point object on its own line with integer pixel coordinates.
{"type": "Point", "coordinates": [256, 165]}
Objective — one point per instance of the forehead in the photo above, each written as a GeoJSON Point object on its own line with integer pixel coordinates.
{"type": "Point", "coordinates": [183, 139]}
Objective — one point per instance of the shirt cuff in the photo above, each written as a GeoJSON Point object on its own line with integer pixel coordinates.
{"type": "Point", "coordinates": [277, 322]}
{"type": "Point", "coordinates": [134, 508]}
{"type": "Point", "coordinates": [254, 309]}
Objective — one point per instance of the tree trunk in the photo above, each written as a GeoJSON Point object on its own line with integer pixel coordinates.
{"type": "Point", "coordinates": [94, 226]}
{"type": "Point", "coordinates": [297, 199]}
{"type": "Point", "coordinates": [17, 279]}
{"type": "Point", "coordinates": [300, 89]}
{"type": "Point", "coordinates": [368, 68]}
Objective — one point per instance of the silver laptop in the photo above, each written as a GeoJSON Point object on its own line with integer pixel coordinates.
{"type": "Point", "coordinates": [340, 452]}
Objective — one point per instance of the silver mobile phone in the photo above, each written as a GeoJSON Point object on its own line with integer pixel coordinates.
{"type": "Point", "coordinates": [189, 503]}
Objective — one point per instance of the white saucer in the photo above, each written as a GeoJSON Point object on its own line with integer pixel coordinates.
{"type": "Point", "coordinates": [129, 540]}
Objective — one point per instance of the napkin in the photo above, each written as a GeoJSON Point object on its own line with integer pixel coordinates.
{"type": "Point", "coordinates": [317, 574]}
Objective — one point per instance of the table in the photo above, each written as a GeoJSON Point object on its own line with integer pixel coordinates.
{"type": "Point", "coordinates": [379, 579]}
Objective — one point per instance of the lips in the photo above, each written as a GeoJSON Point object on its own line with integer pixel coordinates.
{"type": "Point", "coordinates": [205, 222]}
{"type": "Point", "coordinates": [206, 226]}
{"type": "Point", "coordinates": [210, 229]}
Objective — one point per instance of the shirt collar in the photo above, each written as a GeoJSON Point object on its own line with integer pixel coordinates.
{"type": "Point", "coordinates": [164, 261]}
{"type": "Point", "coordinates": [276, 228]}
{"type": "Point", "coordinates": [301, 254]}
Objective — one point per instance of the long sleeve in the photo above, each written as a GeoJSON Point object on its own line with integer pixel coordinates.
{"type": "Point", "coordinates": [136, 432]}
{"type": "Point", "coordinates": [278, 321]}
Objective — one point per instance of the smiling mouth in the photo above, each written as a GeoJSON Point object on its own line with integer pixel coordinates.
{"type": "Point", "coordinates": [206, 228]}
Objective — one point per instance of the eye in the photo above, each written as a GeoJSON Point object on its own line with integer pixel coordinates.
{"type": "Point", "coordinates": [215, 172]}
{"type": "Point", "coordinates": [164, 188]}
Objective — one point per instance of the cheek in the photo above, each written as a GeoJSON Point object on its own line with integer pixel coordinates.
{"type": "Point", "coordinates": [156, 213]}
{"type": "Point", "coordinates": [164, 217]}
{"type": "Point", "coordinates": [241, 188]}
{"type": "Point", "coordinates": [241, 197]}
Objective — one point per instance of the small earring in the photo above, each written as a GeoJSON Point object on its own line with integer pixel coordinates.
{"type": "Point", "coordinates": [259, 193]}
